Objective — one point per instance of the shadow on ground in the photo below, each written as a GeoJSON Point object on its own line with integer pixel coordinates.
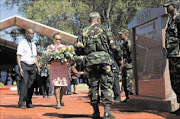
{"type": "Point", "coordinates": [9, 106]}
{"type": "Point", "coordinates": [66, 115]}
{"type": "Point", "coordinates": [126, 107]}
{"type": "Point", "coordinates": [16, 106]}
{"type": "Point", "coordinates": [11, 94]}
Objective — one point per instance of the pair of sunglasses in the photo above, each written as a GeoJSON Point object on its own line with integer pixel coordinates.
{"type": "Point", "coordinates": [58, 39]}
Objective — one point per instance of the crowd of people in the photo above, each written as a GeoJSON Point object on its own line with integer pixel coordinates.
{"type": "Point", "coordinates": [107, 62]}
{"type": "Point", "coordinates": [8, 76]}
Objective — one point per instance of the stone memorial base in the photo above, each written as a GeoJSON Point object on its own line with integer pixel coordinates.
{"type": "Point", "coordinates": [156, 104]}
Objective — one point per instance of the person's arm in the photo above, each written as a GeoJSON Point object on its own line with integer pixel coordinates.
{"type": "Point", "coordinates": [36, 59]}
{"type": "Point", "coordinates": [37, 65]}
{"type": "Point", "coordinates": [114, 46]}
{"type": "Point", "coordinates": [76, 71]}
{"type": "Point", "coordinates": [80, 45]}
{"type": "Point", "coordinates": [19, 64]}
{"type": "Point", "coordinates": [122, 65]}
{"type": "Point", "coordinates": [178, 25]}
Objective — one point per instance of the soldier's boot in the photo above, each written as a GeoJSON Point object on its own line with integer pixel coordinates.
{"type": "Point", "coordinates": [107, 113]}
{"type": "Point", "coordinates": [96, 114]}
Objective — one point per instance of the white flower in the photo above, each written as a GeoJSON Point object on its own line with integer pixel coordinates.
{"type": "Point", "coordinates": [81, 57]}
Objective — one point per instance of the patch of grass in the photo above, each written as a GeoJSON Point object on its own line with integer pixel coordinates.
{"type": "Point", "coordinates": [1, 85]}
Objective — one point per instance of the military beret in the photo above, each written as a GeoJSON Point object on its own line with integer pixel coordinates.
{"type": "Point", "coordinates": [94, 15]}
{"type": "Point", "coordinates": [170, 2]}
{"type": "Point", "coordinates": [124, 31]}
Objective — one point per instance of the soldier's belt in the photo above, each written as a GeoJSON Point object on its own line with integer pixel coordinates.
{"type": "Point", "coordinates": [99, 57]}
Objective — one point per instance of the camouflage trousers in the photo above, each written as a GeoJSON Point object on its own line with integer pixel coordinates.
{"type": "Point", "coordinates": [100, 77]}
{"type": "Point", "coordinates": [174, 68]}
{"type": "Point", "coordinates": [127, 82]}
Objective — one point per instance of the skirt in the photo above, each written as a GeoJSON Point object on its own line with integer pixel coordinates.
{"type": "Point", "coordinates": [59, 74]}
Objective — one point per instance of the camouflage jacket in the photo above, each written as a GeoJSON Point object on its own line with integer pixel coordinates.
{"type": "Point", "coordinates": [127, 59]}
{"type": "Point", "coordinates": [97, 43]}
{"type": "Point", "coordinates": [173, 36]}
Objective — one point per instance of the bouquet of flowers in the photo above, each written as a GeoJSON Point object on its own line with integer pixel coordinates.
{"type": "Point", "coordinates": [62, 54]}
{"type": "Point", "coordinates": [43, 62]}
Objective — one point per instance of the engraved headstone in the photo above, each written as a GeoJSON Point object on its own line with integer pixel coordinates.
{"type": "Point", "coordinates": [150, 66]}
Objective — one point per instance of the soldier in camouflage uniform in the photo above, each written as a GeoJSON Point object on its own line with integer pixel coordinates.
{"type": "Point", "coordinates": [127, 82]}
{"type": "Point", "coordinates": [172, 46]}
{"type": "Point", "coordinates": [97, 44]}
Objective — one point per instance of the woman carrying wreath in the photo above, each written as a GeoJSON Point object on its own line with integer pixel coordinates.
{"type": "Point", "coordinates": [59, 76]}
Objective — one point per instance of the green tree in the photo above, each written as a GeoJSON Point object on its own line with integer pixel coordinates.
{"type": "Point", "coordinates": [118, 13]}
{"type": "Point", "coordinates": [65, 15]}
{"type": "Point", "coordinates": [72, 15]}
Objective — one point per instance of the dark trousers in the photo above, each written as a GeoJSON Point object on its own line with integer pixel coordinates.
{"type": "Point", "coordinates": [27, 84]}
{"type": "Point", "coordinates": [45, 85]}
{"type": "Point", "coordinates": [124, 84]}
{"type": "Point", "coordinates": [127, 82]}
{"type": "Point", "coordinates": [18, 80]}
{"type": "Point", "coordinates": [116, 86]}
{"type": "Point", "coordinates": [174, 68]}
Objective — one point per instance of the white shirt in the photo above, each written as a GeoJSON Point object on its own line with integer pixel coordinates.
{"type": "Point", "coordinates": [27, 53]}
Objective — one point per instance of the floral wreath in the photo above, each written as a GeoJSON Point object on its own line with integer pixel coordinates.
{"type": "Point", "coordinates": [62, 54]}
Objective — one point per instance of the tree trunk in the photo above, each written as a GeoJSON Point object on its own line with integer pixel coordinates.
{"type": "Point", "coordinates": [108, 14]}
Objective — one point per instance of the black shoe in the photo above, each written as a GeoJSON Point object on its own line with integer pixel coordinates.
{"type": "Point", "coordinates": [44, 96]}
{"type": "Point", "coordinates": [22, 107]}
{"type": "Point", "coordinates": [30, 106]}
{"type": "Point", "coordinates": [36, 93]}
{"type": "Point", "coordinates": [57, 107]}
{"type": "Point", "coordinates": [75, 93]}
{"type": "Point", "coordinates": [130, 93]}
{"type": "Point", "coordinates": [62, 103]}
{"type": "Point", "coordinates": [108, 116]}
{"type": "Point", "coordinates": [96, 116]}
{"type": "Point", "coordinates": [69, 93]}
{"type": "Point", "coordinates": [177, 112]}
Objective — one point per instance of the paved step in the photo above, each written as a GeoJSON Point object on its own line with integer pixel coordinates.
{"type": "Point", "coordinates": [77, 106]}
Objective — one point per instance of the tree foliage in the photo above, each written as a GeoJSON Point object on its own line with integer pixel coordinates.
{"type": "Point", "coordinates": [72, 15]}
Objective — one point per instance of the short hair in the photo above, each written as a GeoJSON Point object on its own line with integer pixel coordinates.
{"type": "Point", "coordinates": [28, 30]}
{"type": "Point", "coordinates": [22, 31]}
{"type": "Point", "coordinates": [123, 31]}
{"type": "Point", "coordinates": [94, 15]}
{"type": "Point", "coordinates": [174, 3]}
{"type": "Point", "coordinates": [56, 34]}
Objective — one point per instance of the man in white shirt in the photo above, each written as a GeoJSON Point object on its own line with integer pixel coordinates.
{"type": "Point", "coordinates": [27, 62]}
